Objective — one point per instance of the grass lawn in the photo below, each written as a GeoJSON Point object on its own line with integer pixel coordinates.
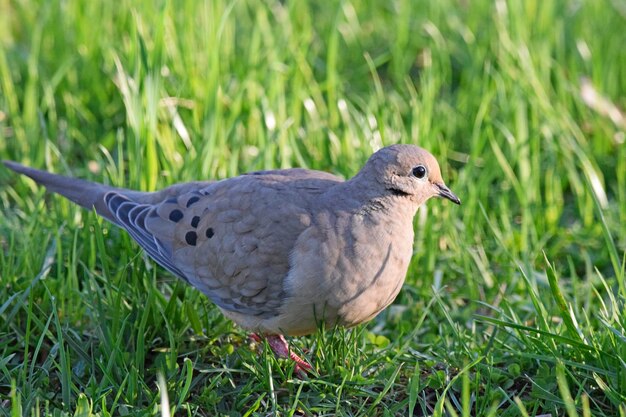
{"type": "Point", "coordinates": [515, 302]}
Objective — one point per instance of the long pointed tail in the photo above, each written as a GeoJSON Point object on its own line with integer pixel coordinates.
{"type": "Point", "coordinates": [91, 194]}
{"type": "Point", "coordinates": [84, 193]}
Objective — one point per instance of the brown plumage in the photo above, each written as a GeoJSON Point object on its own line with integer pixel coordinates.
{"type": "Point", "coordinates": [279, 251]}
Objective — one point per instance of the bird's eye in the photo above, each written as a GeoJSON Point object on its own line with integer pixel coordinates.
{"type": "Point", "coordinates": [419, 172]}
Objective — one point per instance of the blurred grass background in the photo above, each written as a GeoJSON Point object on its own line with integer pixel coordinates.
{"type": "Point", "coordinates": [515, 301]}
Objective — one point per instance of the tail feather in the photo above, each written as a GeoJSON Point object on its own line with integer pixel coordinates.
{"type": "Point", "coordinates": [91, 194]}
{"type": "Point", "coordinates": [84, 193]}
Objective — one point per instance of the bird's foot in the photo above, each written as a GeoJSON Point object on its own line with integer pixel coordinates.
{"type": "Point", "coordinates": [281, 349]}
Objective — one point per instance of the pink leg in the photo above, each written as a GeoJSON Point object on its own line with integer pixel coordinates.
{"type": "Point", "coordinates": [280, 347]}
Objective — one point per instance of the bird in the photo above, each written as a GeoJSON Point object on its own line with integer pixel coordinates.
{"type": "Point", "coordinates": [279, 251]}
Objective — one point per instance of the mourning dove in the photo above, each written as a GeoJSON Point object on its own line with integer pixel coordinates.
{"type": "Point", "coordinates": [279, 251]}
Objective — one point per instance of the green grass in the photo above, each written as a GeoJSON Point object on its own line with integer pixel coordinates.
{"type": "Point", "coordinates": [515, 302]}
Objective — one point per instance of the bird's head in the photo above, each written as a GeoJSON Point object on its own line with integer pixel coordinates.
{"type": "Point", "coordinates": [407, 172]}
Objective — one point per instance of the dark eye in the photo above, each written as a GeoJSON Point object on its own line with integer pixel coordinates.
{"type": "Point", "coordinates": [419, 172]}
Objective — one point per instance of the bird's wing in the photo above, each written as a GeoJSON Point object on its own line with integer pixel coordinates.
{"type": "Point", "coordinates": [231, 239]}
{"type": "Point", "coordinates": [132, 217]}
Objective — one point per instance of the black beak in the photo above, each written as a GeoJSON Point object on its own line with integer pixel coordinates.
{"type": "Point", "coordinates": [445, 192]}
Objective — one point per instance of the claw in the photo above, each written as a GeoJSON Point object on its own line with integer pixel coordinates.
{"type": "Point", "coordinates": [281, 349]}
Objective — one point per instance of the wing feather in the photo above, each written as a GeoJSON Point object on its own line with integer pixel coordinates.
{"type": "Point", "coordinates": [230, 239]}
{"type": "Point", "coordinates": [131, 216]}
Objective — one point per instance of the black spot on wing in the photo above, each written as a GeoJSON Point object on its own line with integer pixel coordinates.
{"type": "Point", "coordinates": [191, 238]}
{"type": "Point", "coordinates": [209, 233]}
{"type": "Point", "coordinates": [195, 221]}
{"type": "Point", "coordinates": [176, 215]}
{"type": "Point", "coordinates": [192, 200]}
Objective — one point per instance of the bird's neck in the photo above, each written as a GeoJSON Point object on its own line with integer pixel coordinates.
{"type": "Point", "coordinates": [365, 197]}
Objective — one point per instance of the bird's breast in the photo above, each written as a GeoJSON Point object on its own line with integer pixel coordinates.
{"type": "Point", "coordinates": [345, 270]}
{"type": "Point", "coordinates": [372, 277]}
